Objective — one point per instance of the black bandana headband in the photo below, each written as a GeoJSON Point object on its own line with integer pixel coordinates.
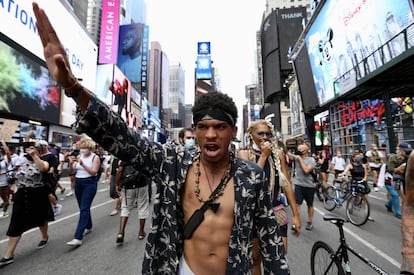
{"type": "Point", "coordinates": [213, 114]}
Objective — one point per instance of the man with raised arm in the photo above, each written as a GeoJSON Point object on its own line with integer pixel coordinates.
{"type": "Point", "coordinates": [207, 200]}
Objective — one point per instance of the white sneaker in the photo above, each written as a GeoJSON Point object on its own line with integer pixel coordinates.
{"type": "Point", "coordinates": [57, 209]}
{"type": "Point", "coordinates": [376, 189]}
{"type": "Point", "coordinates": [74, 242]}
{"type": "Point", "coordinates": [69, 194]}
{"type": "Point", "coordinates": [87, 231]}
{"type": "Point", "coordinates": [114, 212]}
{"type": "Point", "coordinates": [4, 215]}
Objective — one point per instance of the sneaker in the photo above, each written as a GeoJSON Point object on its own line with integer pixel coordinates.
{"type": "Point", "coordinates": [4, 261]}
{"type": "Point", "coordinates": [309, 226]}
{"type": "Point", "coordinates": [74, 242]}
{"type": "Point", "coordinates": [42, 243]}
{"type": "Point", "coordinates": [87, 231]}
{"type": "Point", "coordinates": [114, 212]}
{"type": "Point", "coordinates": [120, 239]}
{"type": "Point", "coordinates": [57, 209]}
{"type": "Point", "coordinates": [62, 191]}
{"type": "Point", "coordinates": [141, 236]}
{"type": "Point", "coordinates": [389, 209]}
{"type": "Point", "coordinates": [4, 215]}
{"type": "Point", "coordinates": [371, 219]}
{"type": "Point", "coordinates": [376, 189]}
{"type": "Point", "coordinates": [69, 194]}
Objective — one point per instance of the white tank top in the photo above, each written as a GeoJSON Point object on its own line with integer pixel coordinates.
{"type": "Point", "coordinates": [80, 171]}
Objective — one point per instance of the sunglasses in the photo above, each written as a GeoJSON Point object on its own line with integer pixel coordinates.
{"type": "Point", "coordinates": [264, 134]}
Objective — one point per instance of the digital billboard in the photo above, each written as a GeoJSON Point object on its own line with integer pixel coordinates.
{"type": "Point", "coordinates": [130, 51]}
{"type": "Point", "coordinates": [26, 88]}
{"type": "Point", "coordinates": [290, 26]}
{"type": "Point", "coordinates": [203, 48]}
{"type": "Point", "coordinates": [17, 22]}
{"type": "Point", "coordinates": [204, 69]}
{"type": "Point", "coordinates": [108, 46]}
{"type": "Point", "coordinates": [343, 40]}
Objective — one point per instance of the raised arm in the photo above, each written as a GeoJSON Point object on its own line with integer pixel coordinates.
{"type": "Point", "coordinates": [57, 60]}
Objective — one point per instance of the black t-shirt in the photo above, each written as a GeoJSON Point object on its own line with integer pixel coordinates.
{"type": "Point", "coordinates": [53, 163]}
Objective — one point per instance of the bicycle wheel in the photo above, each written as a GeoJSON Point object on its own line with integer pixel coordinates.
{"type": "Point", "coordinates": [323, 260]}
{"type": "Point", "coordinates": [330, 202]}
{"type": "Point", "coordinates": [357, 209]}
{"type": "Point", "coordinates": [319, 191]}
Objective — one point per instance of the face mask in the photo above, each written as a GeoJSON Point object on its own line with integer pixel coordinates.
{"type": "Point", "coordinates": [358, 160]}
{"type": "Point", "coordinates": [84, 151]}
{"type": "Point", "coordinates": [255, 147]}
{"type": "Point", "coordinates": [189, 143]}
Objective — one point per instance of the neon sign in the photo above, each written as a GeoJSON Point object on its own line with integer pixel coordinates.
{"type": "Point", "coordinates": [356, 112]}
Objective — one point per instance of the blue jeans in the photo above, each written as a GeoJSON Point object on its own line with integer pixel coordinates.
{"type": "Point", "coordinates": [394, 201]}
{"type": "Point", "coordinates": [85, 191]}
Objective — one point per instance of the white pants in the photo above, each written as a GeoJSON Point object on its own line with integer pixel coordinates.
{"type": "Point", "coordinates": [183, 268]}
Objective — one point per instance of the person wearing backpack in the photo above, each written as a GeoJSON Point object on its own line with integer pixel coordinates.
{"type": "Point", "coordinates": [133, 184]}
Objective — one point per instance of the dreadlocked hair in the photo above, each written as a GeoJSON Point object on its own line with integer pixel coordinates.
{"type": "Point", "coordinates": [275, 152]}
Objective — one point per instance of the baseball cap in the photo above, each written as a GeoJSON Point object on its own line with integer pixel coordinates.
{"type": "Point", "coordinates": [43, 142]}
{"type": "Point", "coordinates": [406, 147]}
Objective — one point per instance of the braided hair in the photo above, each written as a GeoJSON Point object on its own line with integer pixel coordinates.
{"type": "Point", "coordinates": [275, 153]}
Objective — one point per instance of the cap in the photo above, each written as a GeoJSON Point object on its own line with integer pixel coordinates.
{"type": "Point", "coordinates": [43, 142]}
{"type": "Point", "coordinates": [406, 147]}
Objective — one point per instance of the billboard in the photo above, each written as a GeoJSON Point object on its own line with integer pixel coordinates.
{"type": "Point", "coordinates": [290, 26]}
{"type": "Point", "coordinates": [204, 69]}
{"type": "Point", "coordinates": [108, 46]}
{"type": "Point", "coordinates": [203, 48]}
{"type": "Point", "coordinates": [130, 51]}
{"type": "Point", "coordinates": [343, 40]}
{"type": "Point", "coordinates": [17, 22]}
{"type": "Point", "coordinates": [26, 88]}
{"type": "Point", "coordinates": [304, 76]}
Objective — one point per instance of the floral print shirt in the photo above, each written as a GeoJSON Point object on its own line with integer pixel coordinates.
{"type": "Point", "coordinates": [169, 164]}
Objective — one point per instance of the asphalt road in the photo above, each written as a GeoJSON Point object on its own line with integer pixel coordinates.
{"type": "Point", "coordinates": [379, 240]}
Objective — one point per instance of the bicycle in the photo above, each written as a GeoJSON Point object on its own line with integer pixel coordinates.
{"type": "Point", "coordinates": [357, 206]}
{"type": "Point", "coordinates": [324, 260]}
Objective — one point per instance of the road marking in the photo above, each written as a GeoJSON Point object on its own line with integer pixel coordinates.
{"type": "Point", "coordinates": [367, 244]}
{"type": "Point", "coordinates": [65, 217]}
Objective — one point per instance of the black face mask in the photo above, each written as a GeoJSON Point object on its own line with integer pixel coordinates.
{"type": "Point", "coordinates": [29, 157]}
{"type": "Point", "coordinates": [358, 160]}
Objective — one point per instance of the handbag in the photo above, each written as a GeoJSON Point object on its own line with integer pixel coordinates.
{"type": "Point", "coordinates": [282, 217]}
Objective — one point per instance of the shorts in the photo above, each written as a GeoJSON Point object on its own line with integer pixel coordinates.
{"type": "Point", "coordinates": [183, 268]}
{"type": "Point", "coordinates": [337, 172]}
{"type": "Point", "coordinates": [304, 193]}
{"type": "Point", "coordinates": [138, 196]}
{"type": "Point", "coordinates": [375, 168]}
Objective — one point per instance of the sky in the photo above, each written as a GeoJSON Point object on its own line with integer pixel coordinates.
{"type": "Point", "coordinates": [230, 26]}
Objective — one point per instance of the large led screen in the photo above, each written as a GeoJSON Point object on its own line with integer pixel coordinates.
{"type": "Point", "coordinates": [343, 40]}
{"type": "Point", "coordinates": [26, 88]}
{"type": "Point", "coordinates": [204, 69]}
{"type": "Point", "coordinates": [130, 51]}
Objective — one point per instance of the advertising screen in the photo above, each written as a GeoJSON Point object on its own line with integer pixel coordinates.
{"type": "Point", "coordinates": [343, 40]}
{"type": "Point", "coordinates": [203, 48]}
{"type": "Point", "coordinates": [17, 22]}
{"type": "Point", "coordinates": [130, 51]}
{"type": "Point", "coordinates": [204, 70]}
{"type": "Point", "coordinates": [108, 47]}
{"type": "Point", "coordinates": [26, 88]}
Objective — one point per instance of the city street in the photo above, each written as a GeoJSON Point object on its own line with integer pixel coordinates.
{"type": "Point", "coordinates": [379, 240]}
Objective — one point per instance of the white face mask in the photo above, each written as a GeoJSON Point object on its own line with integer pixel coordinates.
{"type": "Point", "coordinates": [256, 147]}
{"type": "Point", "coordinates": [189, 143]}
{"type": "Point", "coordinates": [84, 151]}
